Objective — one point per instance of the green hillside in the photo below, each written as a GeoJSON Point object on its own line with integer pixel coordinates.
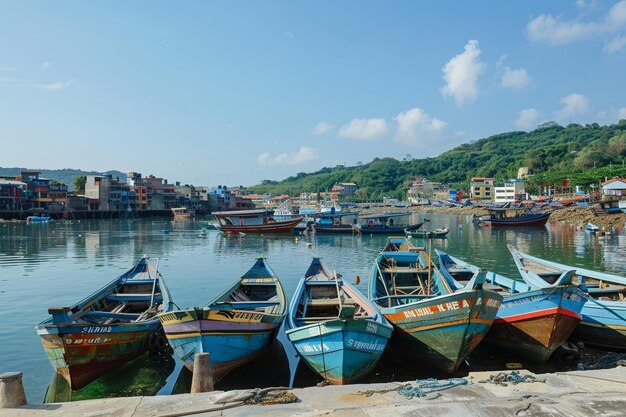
{"type": "Point", "coordinates": [551, 152]}
{"type": "Point", "coordinates": [64, 176]}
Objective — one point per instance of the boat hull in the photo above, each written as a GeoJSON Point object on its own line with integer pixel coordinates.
{"type": "Point", "coordinates": [534, 324]}
{"type": "Point", "coordinates": [444, 330]}
{"type": "Point", "coordinates": [539, 220]}
{"type": "Point", "coordinates": [83, 353]}
{"type": "Point", "coordinates": [233, 338]}
{"type": "Point", "coordinates": [603, 324]}
{"type": "Point", "coordinates": [341, 351]}
{"type": "Point", "coordinates": [333, 229]}
{"type": "Point", "coordinates": [279, 226]}
{"type": "Point", "coordinates": [386, 230]}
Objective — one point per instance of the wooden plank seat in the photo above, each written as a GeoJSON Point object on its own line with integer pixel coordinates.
{"type": "Point", "coordinates": [134, 297]}
{"type": "Point", "coordinates": [323, 302]}
{"type": "Point", "coordinates": [111, 315]}
{"type": "Point", "coordinates": [138, 282]}
{"type": "Point", "coordinates": [248, 304]}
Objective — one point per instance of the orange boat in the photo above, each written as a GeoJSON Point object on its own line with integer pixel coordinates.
{"type": "Point", "coordinates": [253, 221]}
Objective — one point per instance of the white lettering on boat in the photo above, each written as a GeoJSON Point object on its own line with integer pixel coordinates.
{"type": "Point", "coordinates": [94, 329]}
{"type": "Point", "coordinates": [376, 347]}
{"type": "Point", "coordinates": [370, 327]}
{"type": "Point", "coordinates": [314, 348]}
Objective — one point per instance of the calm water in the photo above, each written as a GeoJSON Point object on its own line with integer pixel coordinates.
{"type": "Point", "coordinates": [57, 264]}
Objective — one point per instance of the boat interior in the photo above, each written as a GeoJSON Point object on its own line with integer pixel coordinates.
{"type": "Point", "coordinates": [258, 297]}
{"type": "Point", "coordinates": [328, 300]}
{"type": "Point", "coordinates": [403, 280]}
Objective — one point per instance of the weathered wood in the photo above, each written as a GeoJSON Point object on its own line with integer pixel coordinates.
{"type": "Point", "coordinates": [202, 380]}
{"type": "Point", "coordinates": [11, 390]}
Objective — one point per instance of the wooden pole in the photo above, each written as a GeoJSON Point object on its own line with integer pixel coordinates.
{"type": "Point", "coordinates": [11, 390]}
{"type": "Point", "coordinates": [202, 379]}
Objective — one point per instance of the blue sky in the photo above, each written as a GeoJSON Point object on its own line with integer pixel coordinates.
{"type": "Point", "coordinates": [236, 92]}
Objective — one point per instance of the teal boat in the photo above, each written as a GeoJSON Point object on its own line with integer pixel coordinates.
{"type": "Point", "coordinates": [334, 328]}
{"type": "Point", "coordinates": [235, 327]}
{"type": "Point", "coordinates": [432, 323]}
{"type": "Point", "coordinates": [428, 234]}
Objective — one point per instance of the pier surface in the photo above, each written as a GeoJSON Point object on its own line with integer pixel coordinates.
{"type": "Point", "coordinates": [576, 393]}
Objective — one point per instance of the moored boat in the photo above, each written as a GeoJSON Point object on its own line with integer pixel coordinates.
{"type": "Point", "coordinates": [603, 321]}
{"type": "Point", "coordinates": [253, 221]}
{"type": "Point", "coordinates": [181, 213]}
{"type": "Point", "coordinates": [109, 328]}
{"type": "Point", "coordinates": [531, 322]}
{"type": "Point", "coordinates": [501, 217]}
{"type": "Point", "coordinates": [431, 322]}
{"type": "Point", "coordinates": [429, 234]}
{"type": "Point", "coordinates": [38, 219]}
{"type": "Point", "coordinates": [235, 327]}
{"type": "Point", "coordinates": [334, 328]}
{"type": "Point", "coordinates": [386, 223]}
{"type": "Point", "coordinates": [335, 223]}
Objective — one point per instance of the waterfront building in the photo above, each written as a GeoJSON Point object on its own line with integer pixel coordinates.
{"type": "Point", "coordinates": [423, 189]}
{"type": "Point", "coordinates": [512, 191]}
{"type": "Point", "coordinates": [221, 199]}
{"type": "Point", "coordinates": [481, 189]}
{"type": "Point", "coordinates": [614, 189]}
{"type": "Point", "coordinates": [110, 193]}
{"type": "Point", "coordinates": [343, 190]}
{"type": "Point", "coordinates": [11, 193]}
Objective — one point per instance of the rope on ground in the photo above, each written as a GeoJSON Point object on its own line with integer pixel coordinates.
{"type": "Point", "coordinates": [272, 396]}
{"type": "Point", "coordinates": [608, 361]}
{"type": "Point", "coordinates": [514, 377]}
{"type": "Point", "coordinates": [370, 392]}
{"type": "Point", "coordinates": [427, 386]}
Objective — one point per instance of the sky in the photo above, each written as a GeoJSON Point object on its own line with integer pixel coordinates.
{"type": "Point", "coordinates": [235, 92]}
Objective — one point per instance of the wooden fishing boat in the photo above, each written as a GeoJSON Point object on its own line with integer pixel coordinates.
{"type": "Point", "coordinates": [500, 217]}
{"type": "Point", "coordinates": [183, 213]}
{"type": "Point", "coordinates": [253, 221]}
{"type": "Point", "coordinates": [603, 321]}
{"type": "Point", "coordinates": [335, 223]}
{"type": "Point", "coordinates": [235, 327]}
{"type": "Point", "coordinates": [531, 322]}
{"type": "Point", "coordinates": [429, 234]}
{"type": "Point", "coordinates": [385, 223]}
{"type": "Point", "coordinates": [109, 328]}
{"type": "Point", "coordinates": [334, 328]}
{"type": "Point", "coordinates": [431, 322]}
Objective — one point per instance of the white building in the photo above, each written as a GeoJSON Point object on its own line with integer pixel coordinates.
{"type": "Point", "coordinates": [512, 191]}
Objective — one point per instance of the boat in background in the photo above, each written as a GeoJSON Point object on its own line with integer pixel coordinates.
{"type": "Point", "coordinates": [334, 328]}
{"type": "Point", "coordinates": [590, 227]}
{"type": "Point", "coordinates": [38, 219]}
{"type": "Point", "coordinates": [428, 234]}
{"type": "Point", "coordinates": [385, 223]}
{"type": "Point", "coordinates": [235, 327]}
{"type": "Point", "coordinates": [603, 321]}
{"type": "Point", "coordinates": [335, 223]}
{"type": "Point", "coordinates": [432, 323]}
{"type": "Point", "coordinates": [109, 328]}
{"type": "Point", "coordinates": [183, 213]}
{"type": "Point", "coordinates": [253, 221]}
{"type": "Point", "coordinates": [531, 322]}
{"type": "Point", "coordinates": [500, 217]}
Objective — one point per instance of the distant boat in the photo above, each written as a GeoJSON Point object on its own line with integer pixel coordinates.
{"type": "Point", "coordinates": [253, 221]}
{"type": "Point", "coordinates": [500, 217]}
{"type": "Point", "coordinates": [429, 234]}
{"type": "Point", "coordinates": [432, 323]}
{"type": "Point", "coordinates": [38, 219]}
{"type": "Point", "coordinates": [334, 328]}
{"type": "Point", "coordinates": [235, 327]}
{"type": "Point", "coordinates": [590, 227]}
{"type": "Point", "coordinates": [335, 223]}
{"type": "Point", "coordinates": [603, 315]}
{"type": "Point", "coordinates": [183, 213]}
{"type": "Point", "coordinates": [107, 329]}
{"type": "Point", "coordinates": [531, 322]}
{"type": "Point", "coordinates": [385, 223]}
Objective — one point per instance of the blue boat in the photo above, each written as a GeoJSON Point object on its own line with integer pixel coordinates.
{"type": "Point", "coordinates": [336, 331]}
{"type": "Point", "coordinates": [385, 224]}
{"type": "Point", "coordinates": [531, 322]}
{"type": "Point", "coordinates": [335, 223]}
{"type": "Point", "coordinates": [603, 321]}
{"type": "Point", "coordinates": [432, 323]}
{"type": "Point", "coordinates": [38, 219]}
{"type": "Point", "coordinates": [235, 327]}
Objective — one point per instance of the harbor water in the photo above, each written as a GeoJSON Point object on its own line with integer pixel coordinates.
{"type": "Point", "coordinates": [59, 263]}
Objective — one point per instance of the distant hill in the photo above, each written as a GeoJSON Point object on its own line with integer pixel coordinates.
{"type": "Point", "coordinates": [64, 176]}
{"type": "Point", "coordinates": [551, 152]}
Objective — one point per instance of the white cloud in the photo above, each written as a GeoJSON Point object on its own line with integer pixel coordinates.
{"type": "Point", "coordinates": [621, 113]}
{"type": "Point", "coordinates": [322, 127]}
{"type": "Point", "coordinates": [56, 86]}
{"type": "Point", "coordinates": [461, 74]}
{"type": "Point", "coordinates": [416, 127]}
{"type": "Point", "coordinates": [46, 65]}
{"type": "Point", "coordinates": [555, 31]}
{"type": "Point", "coordinates": [304, 154]}
{"type": "Point", "coordinates": [601, 114]}
{"type": "Point", "coordinates": [527, 118]}
{"type": "Point", "coordinates": [515, 78]}
{"type": "Point", "coordinates": [364, 129]}
{"type": "Point", "coordinates": [573, 105]}
{"type": "Point", "coordinates": [615, 45]}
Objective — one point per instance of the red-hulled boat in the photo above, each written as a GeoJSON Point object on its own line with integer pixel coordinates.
{"type": "Point", "coordinates": [253, 221]}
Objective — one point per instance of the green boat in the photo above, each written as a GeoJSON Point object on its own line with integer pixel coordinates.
{"type": "Point", "coordinates": [436, 233]}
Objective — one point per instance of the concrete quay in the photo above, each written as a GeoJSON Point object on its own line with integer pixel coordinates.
{"type": "Point", "coordinates": [576, 393]}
